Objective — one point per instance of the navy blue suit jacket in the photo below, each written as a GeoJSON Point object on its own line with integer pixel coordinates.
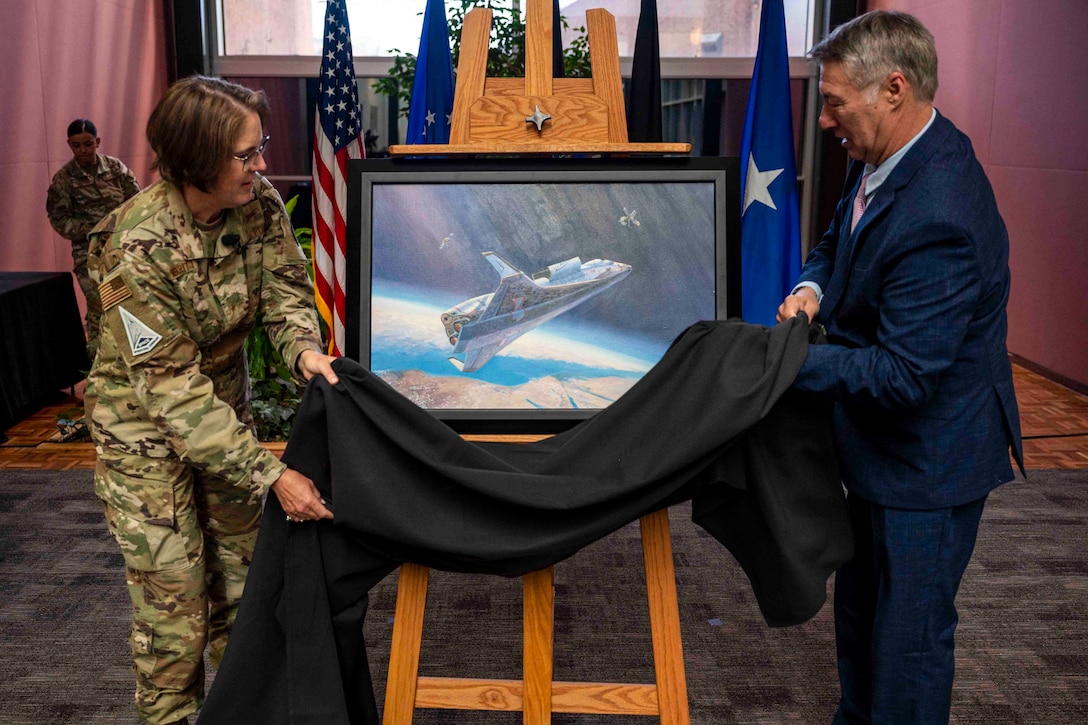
{"type": "Point", "coordinates": [914, 306]}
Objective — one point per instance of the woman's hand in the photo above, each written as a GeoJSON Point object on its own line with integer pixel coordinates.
{"type": "Point", "coordinates": [311, 363]}
{"type": "Point", "coordinates": [299, 497]}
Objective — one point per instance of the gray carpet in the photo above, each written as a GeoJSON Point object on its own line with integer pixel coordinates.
{"type": "Point", "coordinates": [1022, 652]}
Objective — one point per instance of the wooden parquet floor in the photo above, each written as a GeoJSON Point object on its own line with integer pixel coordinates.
{"type": "Point", "coordinates": [1053, 420]}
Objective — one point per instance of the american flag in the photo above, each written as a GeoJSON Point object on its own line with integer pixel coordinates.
{"type": "Point", "coordinates": [337, 137]}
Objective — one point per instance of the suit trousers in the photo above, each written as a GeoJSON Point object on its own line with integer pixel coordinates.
{"type": "Point", "coordinates": [895, 613]}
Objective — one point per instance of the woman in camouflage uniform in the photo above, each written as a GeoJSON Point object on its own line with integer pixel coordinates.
{"type": "Point", "coordinates": [84, 190]}
{"type": "Point", "coordinates": [183, 269]}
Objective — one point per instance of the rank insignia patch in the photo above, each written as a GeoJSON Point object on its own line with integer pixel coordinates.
{"type": "Point", "coordinates": [141, 338]}
{"type": "Point", "coordinates": [113, 291]}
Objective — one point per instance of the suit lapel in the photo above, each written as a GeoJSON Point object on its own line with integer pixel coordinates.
{"type": "Point", "coordinates": [918, 156]}
{"type": "Point", "coordinates": [844, 249]}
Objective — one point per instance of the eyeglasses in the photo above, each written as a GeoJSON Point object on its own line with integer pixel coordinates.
{"type": "Point", "coordinates": [247, 159]}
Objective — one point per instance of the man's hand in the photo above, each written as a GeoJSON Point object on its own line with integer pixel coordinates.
{"type": "Point", "coordinates": [803, 300]}
{"type": "Point", "coordinates": [311, 363]}
{"type": "Point", "coordinates": [299, 497]}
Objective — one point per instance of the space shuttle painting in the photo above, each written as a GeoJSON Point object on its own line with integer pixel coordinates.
{"type": "Point", "coordinates": [480, 327]}
{"type": "Point", "coordinates": [487, 343]}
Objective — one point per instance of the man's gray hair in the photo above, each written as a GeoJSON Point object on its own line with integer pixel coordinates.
{"type": "Point", "coordinates": [873, 45]}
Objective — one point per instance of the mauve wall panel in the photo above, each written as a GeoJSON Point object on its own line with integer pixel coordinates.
{"type": "Point", "coordinates": [22, 113]}
{"type": "Point", "coordinates": [1046, 212]}
{"type": "Point", "coordinates": [100, 59]}
{"type": "Point", "coordinates": [967, 37]}
{"type": "Point", "coordinates": [1040, 116]}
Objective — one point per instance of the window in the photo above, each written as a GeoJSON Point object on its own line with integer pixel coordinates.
{"type": "Point", "coordinates": [707, 49]}
{"type": "Point", "coordinates": [691, 29]}
{"type": "Point", "coordinates": [294, 27]}
{"type": "Point", "coordinates": [697, 28]}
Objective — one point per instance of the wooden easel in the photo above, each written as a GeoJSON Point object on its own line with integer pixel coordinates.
{"type": "Point", "coordinates": [493, 115]}
{"type": "Point", "coordinates": [541, 115]}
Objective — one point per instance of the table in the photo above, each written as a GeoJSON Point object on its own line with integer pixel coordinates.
{"type": "Point", "coordinates": [42, 344]}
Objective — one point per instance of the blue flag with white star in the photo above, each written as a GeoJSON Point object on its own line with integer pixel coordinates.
{"type": "Point", "coordinates": [770, 227]}
{"type": "Point", "coordinates": [432, 90]}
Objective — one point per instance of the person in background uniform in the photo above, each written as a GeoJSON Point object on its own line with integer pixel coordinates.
{"type": "Point", "coordinates": [183, 270]}
{"type": "Point", "coordinates": [911, 281]}
{"type": "Point", "coordinates": [84, 190]}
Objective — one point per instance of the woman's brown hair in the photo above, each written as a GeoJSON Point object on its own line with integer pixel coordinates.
{"type": "Point", "coordinates": [194, 127]}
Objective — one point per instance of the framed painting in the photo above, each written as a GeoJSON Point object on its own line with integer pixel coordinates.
{"type": "Point", "coordinates": [523, 295]}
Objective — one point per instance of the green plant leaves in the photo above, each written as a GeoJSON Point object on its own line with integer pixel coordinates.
{"type": "Point", "coordinates": [505, 57]}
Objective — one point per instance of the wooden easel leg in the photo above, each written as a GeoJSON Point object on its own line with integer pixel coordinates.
{"type": "Point", "coordinates": [604, 57]}
{"type": "Point", "coordinates": [537, 639]}
{"type": "Point", "coordinates": [400, 689]}
{"type": "Point", "coordinates": [672, 692]}
{"type": "Point", "coordinates": [471, 71]}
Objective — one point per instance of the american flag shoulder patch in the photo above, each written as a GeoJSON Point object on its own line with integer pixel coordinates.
{"type": "Point", "coordinates": [113, 291]}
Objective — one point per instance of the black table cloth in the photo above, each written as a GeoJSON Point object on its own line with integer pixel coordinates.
{"type": "Point", "coordinates": [42, 345]}
{"type": "Point", "coordinates": [714, 422]}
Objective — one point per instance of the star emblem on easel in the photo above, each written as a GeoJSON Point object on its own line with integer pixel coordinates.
{"type": "Point", "coordinates": [538, 118]}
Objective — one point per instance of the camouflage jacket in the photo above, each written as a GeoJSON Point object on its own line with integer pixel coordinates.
{"type": "Point", "coordinates": [77, 200]}
{"type": "Point", "coordinates": [170, 377]}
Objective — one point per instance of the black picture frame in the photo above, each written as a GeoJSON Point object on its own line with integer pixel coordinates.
{"type": "Point", "coordinates": [431, 238]}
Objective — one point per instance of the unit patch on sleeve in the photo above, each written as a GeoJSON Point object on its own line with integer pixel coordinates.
{"type": "Point", "coordinates": [141, 338]}
{"type": "Point", "coordinates": [113, 291]}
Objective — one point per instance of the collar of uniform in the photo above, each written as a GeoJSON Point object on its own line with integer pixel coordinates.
{"type": "Point", "coordinates": [100, 167]}
{"type": "Point", "coordinates": [194, 241]}
{"type": "Point", "coordinates": [243, 222]}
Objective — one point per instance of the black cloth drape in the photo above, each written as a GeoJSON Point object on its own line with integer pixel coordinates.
{"type": "Point", "coordinates": [714, 421]}
{"type": "Point", "coordinates": [42, 346]}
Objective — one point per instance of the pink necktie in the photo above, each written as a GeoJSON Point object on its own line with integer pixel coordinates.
{"type": "Point", "coordinates": [859, 202]}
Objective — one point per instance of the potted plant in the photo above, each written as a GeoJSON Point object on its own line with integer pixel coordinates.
{"type": "Point", "coordinates": [276, 396]}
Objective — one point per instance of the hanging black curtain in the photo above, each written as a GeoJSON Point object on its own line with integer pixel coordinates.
{"type": "Point", "coordinates": [557, 43]}
{"type": "Point", "coordinates": [644, 99]}
{"type": "Point", "coordinates": [186, 52]}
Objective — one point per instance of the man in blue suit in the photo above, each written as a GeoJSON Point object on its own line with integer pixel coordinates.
{"type": "Point", "coordinates": [911, 282]}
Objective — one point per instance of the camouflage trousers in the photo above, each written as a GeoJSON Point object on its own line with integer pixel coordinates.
{"type": "Point", "coordinates": [187, 540]}
{"type": "Point", "coordinates": [90, 294]}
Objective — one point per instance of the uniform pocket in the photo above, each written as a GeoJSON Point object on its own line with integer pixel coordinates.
{"type": "Point", "coordinates": [139, 498]}
{"type": "Point", "coordinates": [141, 486]}
{"type": "Point", "coordinates": [146, 546]}
{"type": "Point", "coordinates": [111, 186]}
{"type": "Point", "coordinates": [215, 296]}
